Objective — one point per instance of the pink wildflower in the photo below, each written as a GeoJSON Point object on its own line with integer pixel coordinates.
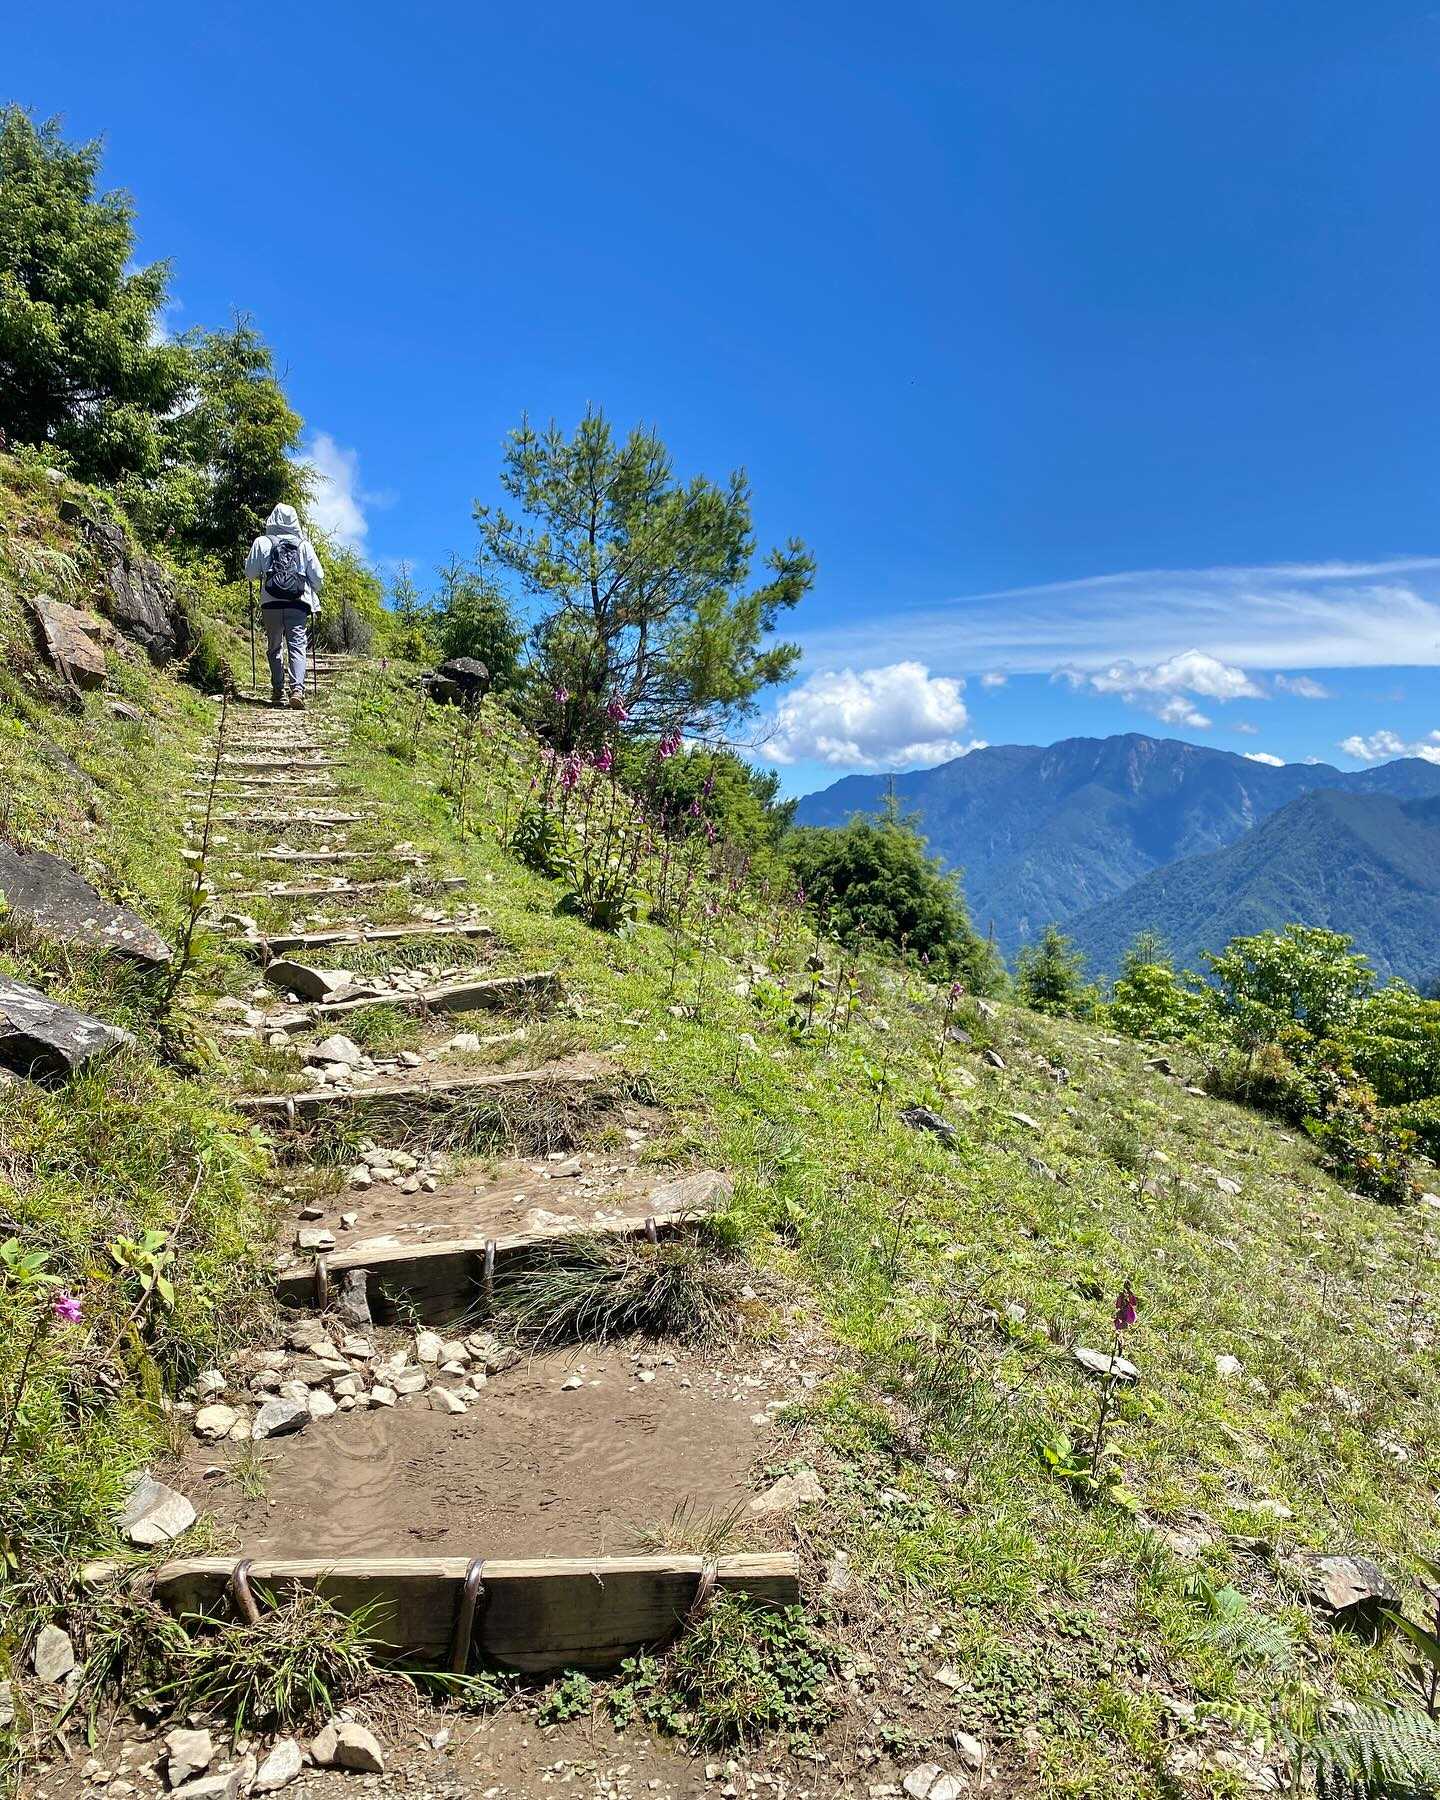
{"type": "Point", "coordinates": [1127, 1309]}
{"type": "Point", "coordinates": [669, 744]}
{"type": "Point", "coordinates": [605, 761]}
{"type": "Point", "coordinates": [66, 1308]}
{"type": "Point", "coordinates": [615, 710]}
{"type": "Point", "coordinates": [560, 696]}
{"type": "Point", "coordinates": [570, 773]}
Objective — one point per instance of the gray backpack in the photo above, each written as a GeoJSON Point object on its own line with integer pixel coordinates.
{"type": "Point", "coordinates": [285, 579]}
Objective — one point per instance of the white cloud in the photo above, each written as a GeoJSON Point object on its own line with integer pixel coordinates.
{"type": "Point", "coordinates": [1302, 687]}
{"type": "Point", "coordinates": [1381, 746]}
{"type": "Point", "coordinates": [900, 716]}
{"type": "Point", "coordinates": [1280, 616]}
{"type": "Point", "coordinates": [337, 501]}
{"type": "Point", "coordinates": [1264, 756]}
{"type": "Point", "coordinates": [1246, 729]}
{"type": "Point", "coordinates": [1164, 688]}
{"type": "Point", "coordinates": [994, 678]}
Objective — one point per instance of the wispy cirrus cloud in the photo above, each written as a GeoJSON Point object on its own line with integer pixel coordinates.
{"type": "Point", "coordinates": [1269, 617]}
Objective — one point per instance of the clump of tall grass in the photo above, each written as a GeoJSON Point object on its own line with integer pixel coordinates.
{"type": "Point", "coordinates": [598, 1288]}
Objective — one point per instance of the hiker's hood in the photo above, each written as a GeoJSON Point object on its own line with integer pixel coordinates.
{"type": "Point", "coordinates": [283, 522]}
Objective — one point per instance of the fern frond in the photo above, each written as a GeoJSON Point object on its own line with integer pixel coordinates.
{"type": "Point", "coordinates": [1376, 1751]}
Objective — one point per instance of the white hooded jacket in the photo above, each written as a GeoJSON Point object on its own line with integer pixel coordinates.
{"type": "Point", "coordinates": [284, 522]}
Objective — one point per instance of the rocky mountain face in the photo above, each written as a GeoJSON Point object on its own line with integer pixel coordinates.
{"type": "Point", "coordinates": [1045, 833]}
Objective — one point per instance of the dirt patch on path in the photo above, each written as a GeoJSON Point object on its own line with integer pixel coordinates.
{"type": "Point", "coordinates": [534, 1468]}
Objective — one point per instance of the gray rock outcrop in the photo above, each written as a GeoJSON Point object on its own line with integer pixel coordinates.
{"type": "Point", "coordinates": [45, 1040]}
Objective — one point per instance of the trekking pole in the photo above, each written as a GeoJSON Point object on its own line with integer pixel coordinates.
{"type": "Point", "coordinates": [254, 679]}
{"type": "Point", "coordinates": [314, 671]}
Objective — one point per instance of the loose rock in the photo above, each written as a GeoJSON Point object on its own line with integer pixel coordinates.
{"type": "Point", "coordinates": [154, 1513]}
{"type": "Point", "coordinates": [187, 1754]}
{"type": "Point", "coordinates": [53, 1656]}
{"type": "Point", "coordinates": [278, 1418]}
{"type": "Point", "coordinates": [284, 1764]}
{"type": "Point", "coordinates": [789, 1493]}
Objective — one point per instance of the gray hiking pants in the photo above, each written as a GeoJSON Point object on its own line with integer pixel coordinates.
{"type": "Point", "coordinates": [286, 628]}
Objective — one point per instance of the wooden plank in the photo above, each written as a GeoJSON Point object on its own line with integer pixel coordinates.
{"type": "Point", "coordinates": [319, 890]}
{"type": "Point", "coordinates": [411, 859]}
{"type": "Point", "coordinates": [360, 935]}
{"type": "Point", "coordinates": [441, 1280]}
{"type": "Point", "coordinates": [292, 819]}
{"type": "Point", "coordinates": [316, 1103]}
{"type": "Point", "coordinates": [538, 1613]}
{"type": "Point", "coordinates": [461, 996]}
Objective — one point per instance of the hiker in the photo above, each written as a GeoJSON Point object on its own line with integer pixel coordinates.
{"type": "Point", "coordinates": [283, 560]}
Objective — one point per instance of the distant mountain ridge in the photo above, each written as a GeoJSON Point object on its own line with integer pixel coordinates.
{"type": "Point", "coordinates": [1365, 863]}
{"type": "Point", "coordinates": [1052, 832]}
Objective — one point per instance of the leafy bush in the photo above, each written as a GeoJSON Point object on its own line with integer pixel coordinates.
{"type": "Point", "coordinates": [872, 879]}
{"type": "Point", "coordinates": [1151, 1001]}
{"type": "Point", "coordinates": [1422, 1118]}
{"type": "Point", "coordinates": [1364, 1149]}
{"type": "Point", "coordinates": [1303, 975]}
{"type": "Point", "coordinates": [473, 618]}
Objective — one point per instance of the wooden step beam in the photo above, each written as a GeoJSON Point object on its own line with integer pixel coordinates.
{"type": "Point", "coordinates": [542, 1613]}
{"type": "Point", "coordinates": [413, 1096]}
{"type": "Point", "coordinates": [317, 890]}
{"type": "Point", "coordinates": [490, 995]}
{"type": "Point", "coordinates": [358, 936]}
{"type": "Point", "coordinates": [440, 1282]}
{"type": "Point", "coordinates": [407, 859]}
{"type": "Point", "coordinates": [289, 821]}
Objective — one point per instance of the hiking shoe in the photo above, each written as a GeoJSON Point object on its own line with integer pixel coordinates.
{"type": "Point", "coordinates": [297, 700]}
{"type": "Point", "coordinates": [278, 697]}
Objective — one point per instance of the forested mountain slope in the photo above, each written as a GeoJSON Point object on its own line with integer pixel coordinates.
{"type": "Point", "coordinates": [1048, 833]}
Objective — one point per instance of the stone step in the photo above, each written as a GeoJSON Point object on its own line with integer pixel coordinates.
{"type": "Point", "coordinates": [276, 943]}
{"type": "Point", "coordinates": [531, 1614]}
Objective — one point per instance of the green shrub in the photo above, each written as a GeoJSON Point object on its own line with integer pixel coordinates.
{"type": "Point", "coordinates": [1422, 1119]}
{"type": "Point", "coordinates": [872, 879]}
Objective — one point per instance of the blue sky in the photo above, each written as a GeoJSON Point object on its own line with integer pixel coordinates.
{"type": "Point", "coordinates": [1092, 349]}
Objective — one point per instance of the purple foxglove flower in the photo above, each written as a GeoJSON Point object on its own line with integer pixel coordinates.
{"type": "Point", "coordinates": [669, 744]}
{"type": "Point", "coordinates": [605, 761]}
{"type": "Point", "coordinates": [66, 1308]}
{"type": "Point", "coordinates": [1127, 1309]}
{"type": "Point", "coordinates": [615, 710]}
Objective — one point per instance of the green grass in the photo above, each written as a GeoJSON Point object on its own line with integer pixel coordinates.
{"type": "Point", "coordinates": [991, 1259]}
{"type": "Point", "coordinates": [952, 1282]}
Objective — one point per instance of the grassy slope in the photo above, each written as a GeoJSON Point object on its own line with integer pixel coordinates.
{"type": "Point", "coordinates": [1011, 1247]}
{"type": "Point", "coordinates": [144, 1142]}
{"type": "Point", "coordinates": [1067, 1617]}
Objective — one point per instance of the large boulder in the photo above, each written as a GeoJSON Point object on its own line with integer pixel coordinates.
{"type": "Point", "coordinates": [61, 904]}
{"type": "Point", "coordinates": [460, 682]}
{"type": "Point", "coordinates": [45, 1040]}
{"type": "Point", "coordinates": [70, 639]}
